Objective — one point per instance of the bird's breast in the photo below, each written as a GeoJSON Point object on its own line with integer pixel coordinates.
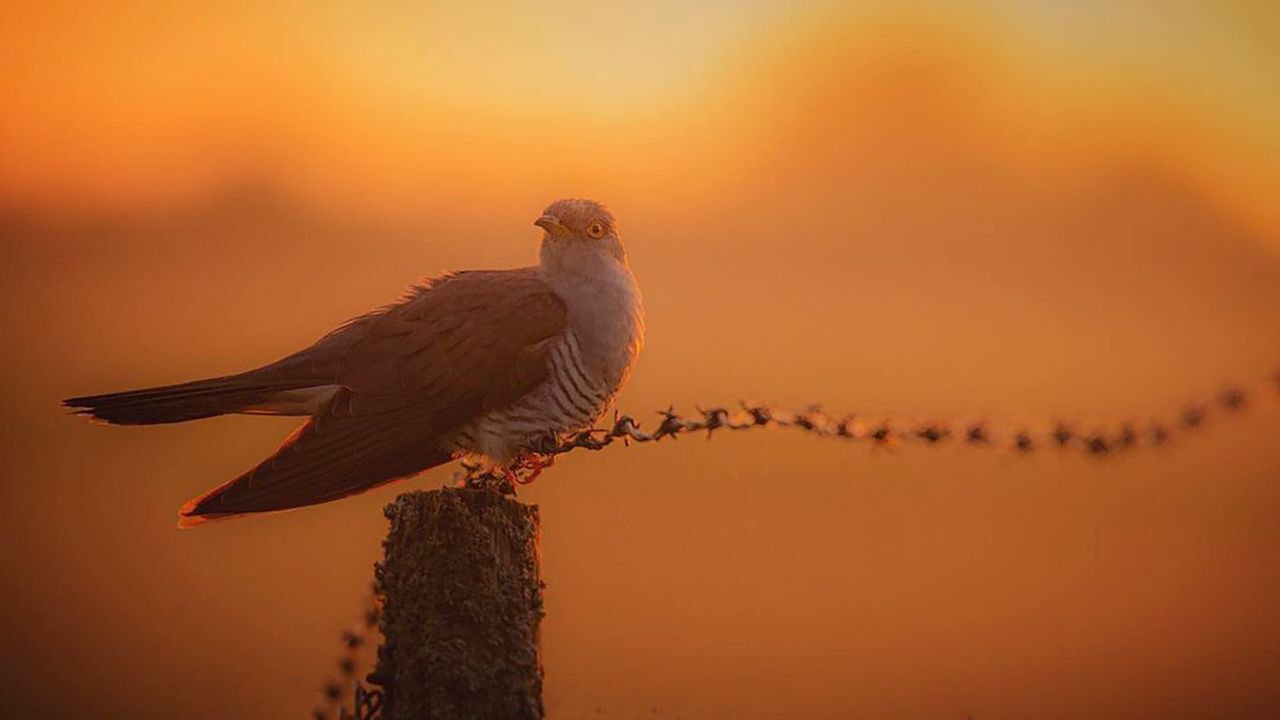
{"type": "Point", "coordinates": [606, 324]}
{"type": "Point", "coordinates": [572, 398]}
{"type": "Point", "coordinates": [586, 367]}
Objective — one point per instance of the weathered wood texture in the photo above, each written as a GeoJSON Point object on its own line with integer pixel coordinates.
{"type": "Point", "coordinates": [463, 606]}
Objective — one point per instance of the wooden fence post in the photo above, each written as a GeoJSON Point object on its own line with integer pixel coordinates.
{"type": "Point", "coordinates": [462, 589]}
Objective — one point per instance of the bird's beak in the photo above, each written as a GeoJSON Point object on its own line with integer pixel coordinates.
{"type": "Point", "coordinates": [550, 223]}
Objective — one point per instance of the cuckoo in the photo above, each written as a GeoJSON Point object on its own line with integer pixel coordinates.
{"type": "Point", "coordinates": [479, 363]}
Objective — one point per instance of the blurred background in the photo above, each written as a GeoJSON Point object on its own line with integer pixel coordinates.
{"type": "Point", "coordinates": [1025, 210]}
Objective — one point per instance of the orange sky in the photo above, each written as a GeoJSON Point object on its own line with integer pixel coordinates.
{"type": "Point", "coordinates": [1027, 210]}
{"type": "Point", "coordinates": [161, 101]}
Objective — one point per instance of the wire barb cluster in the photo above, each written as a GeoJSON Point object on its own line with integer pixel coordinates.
{"type": "Point", "coordinates": [366, 704]}
{"type": "Point", "coordinates": [1093, 440]}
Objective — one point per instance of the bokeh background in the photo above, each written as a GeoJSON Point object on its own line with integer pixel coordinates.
{"type": "Point", "coordinates": [1016, 209]}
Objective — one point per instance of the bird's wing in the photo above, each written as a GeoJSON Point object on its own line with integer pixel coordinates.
{"type": "Point", "coordinates": [407, 375]}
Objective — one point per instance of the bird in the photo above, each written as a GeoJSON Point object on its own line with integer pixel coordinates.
{"type": "Point", "coordinates": [478, 363]}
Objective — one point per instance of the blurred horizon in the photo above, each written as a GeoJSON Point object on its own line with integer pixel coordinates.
{"type": "Point", "coordinates": [990, 208]}
{"type": "Point", "coordinates": [171, 105]}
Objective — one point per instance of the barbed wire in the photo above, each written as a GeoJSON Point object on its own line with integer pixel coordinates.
{"type": "Point", "coordinates": [366, 704]}
{"type": "Point", "coordinates": [1097, 440]}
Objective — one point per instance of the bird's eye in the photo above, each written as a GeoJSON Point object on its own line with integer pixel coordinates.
{"type": "Point", "coordinates": [595, 229]}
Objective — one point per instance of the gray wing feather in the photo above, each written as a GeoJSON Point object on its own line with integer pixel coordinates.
{"type": "Point", "coordinates": [407, 375]}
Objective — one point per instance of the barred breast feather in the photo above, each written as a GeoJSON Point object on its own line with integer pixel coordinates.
{"type": "Point", "coordinates": [586, 367]}
{"type": "Point", "coordinates": [570, 399]}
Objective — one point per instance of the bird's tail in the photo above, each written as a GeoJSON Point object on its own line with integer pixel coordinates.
{"type": "Point", "coordinates": [246, 392]}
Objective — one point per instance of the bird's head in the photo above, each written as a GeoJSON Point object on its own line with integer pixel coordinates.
{"type": "Point", "coordinates": [578, 232]}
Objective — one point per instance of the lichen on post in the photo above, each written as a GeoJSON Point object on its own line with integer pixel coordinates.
{"type": "Point", "coordinates": [462, 608]}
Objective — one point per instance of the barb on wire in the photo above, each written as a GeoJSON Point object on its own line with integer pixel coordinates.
{"type": "Point", "coordinates": [366, 704]}
{"type": "Point", "coordinates": [1093, 441]}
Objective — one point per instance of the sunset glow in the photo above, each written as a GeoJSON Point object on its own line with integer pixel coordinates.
{"type": "Point", "coordinates": [997, 208]}
{"type": "Point", "coordinates": [160, 102]}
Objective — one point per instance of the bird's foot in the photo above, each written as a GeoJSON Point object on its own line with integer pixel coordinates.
{"type": "Point", "coordinates": [476, 476]}
{"type": "Point", "coordinates": [529, 466]}
{"type": "Point", "coordinates": [510, 481]}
